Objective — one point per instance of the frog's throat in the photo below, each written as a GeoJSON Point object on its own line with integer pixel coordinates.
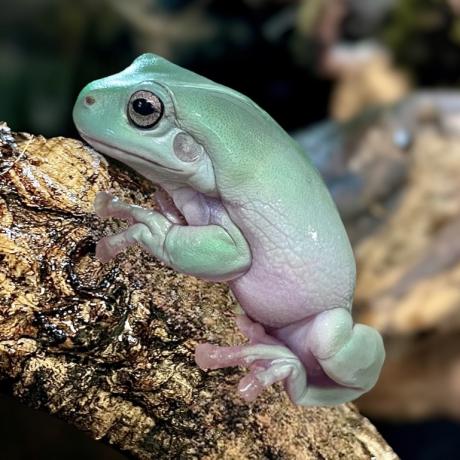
{"type": "Point", "coordinates": [117, 153]}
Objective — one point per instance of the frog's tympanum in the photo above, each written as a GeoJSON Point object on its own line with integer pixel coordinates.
{"type": "Point", "coordinates": [249, 209]}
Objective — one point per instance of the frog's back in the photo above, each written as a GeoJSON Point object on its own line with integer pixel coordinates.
{"type": "Point", "coordinates": [302, 262]}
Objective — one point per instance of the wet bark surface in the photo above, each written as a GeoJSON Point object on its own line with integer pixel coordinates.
{"type": "Point", "coordinates": [109, 348]}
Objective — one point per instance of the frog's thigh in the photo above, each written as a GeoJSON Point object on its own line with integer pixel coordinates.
{"type": "Point", "coordinates": [351, 355]}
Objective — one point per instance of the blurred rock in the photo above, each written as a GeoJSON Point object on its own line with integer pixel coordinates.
{"type": "Point", "coordinates": [366, 77]}
{"type": "Point", "coordinates": [364, 18]}
{"type": "Point", "coordinates": [331, 20]}
{"type": "Point", "coordinates": [455, 5]}
{"type": "Point", "coordinates": [394, 173]}
{"type": "Point", "coordinates": [365, 160]}
{"type": "Point", "coordinates": [166, 27]}
{"type": "Point", "coordinates": [109, 348]}
{"type": "Point", "coordinates": [409, 286]}
{"type": "Point", "coordinates": [361, 164]}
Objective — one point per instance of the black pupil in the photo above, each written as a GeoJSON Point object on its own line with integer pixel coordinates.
{"type": "Point", "coordinates": [143, 107]}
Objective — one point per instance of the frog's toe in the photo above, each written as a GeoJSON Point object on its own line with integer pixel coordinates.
{"type": "Point", "coordinates": [106, 205]}
{"type": "Point", "coordinates": [102, 204]}
{"type": "Point", "coordinates": [250, 387]}
{"type": "Point", "coordinates": [208, 356]}
{"type": "Point", "coordinates": [107, 249]}
{"type": "Point", "coordinates": [252, 384]}
{"type": "Point", "coordinates": [110, 246]}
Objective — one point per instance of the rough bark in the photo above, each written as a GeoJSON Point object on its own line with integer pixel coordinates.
{"type": "Point", "coordinates": [109, 348]}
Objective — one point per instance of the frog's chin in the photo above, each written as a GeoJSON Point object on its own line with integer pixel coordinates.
{"type": "Point", "coordinates": [124, 155]}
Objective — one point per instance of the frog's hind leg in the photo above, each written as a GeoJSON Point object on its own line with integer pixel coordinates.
{"type": "Point", "coordinates": [349, 357]}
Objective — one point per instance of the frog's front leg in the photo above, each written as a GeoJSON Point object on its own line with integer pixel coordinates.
{"type": "Point", "coordinates": [207, 251]}
{"type": "Point", "coordinates": [350, 357]}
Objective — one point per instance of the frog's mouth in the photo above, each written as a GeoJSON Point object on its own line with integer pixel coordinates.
{"type": "Point", "coordinates": [118, 153]}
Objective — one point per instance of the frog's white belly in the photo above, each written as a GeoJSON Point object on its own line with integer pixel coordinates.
{"type": "Point", "coordinates": [296, 270]}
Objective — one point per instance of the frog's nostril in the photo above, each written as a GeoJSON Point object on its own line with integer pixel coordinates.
{"type": "Point", "coordinates": [89, 100]}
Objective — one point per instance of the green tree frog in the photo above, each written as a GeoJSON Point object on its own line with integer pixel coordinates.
{"type": "Point", "coordinates": [257, 216]}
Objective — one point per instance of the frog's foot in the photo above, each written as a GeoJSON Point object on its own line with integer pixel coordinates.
{"type": "Point", "coordinates": [268, 359]}
{"type": "Point", "coordinates": [268, 364]}
{"type": "Point", "coordinates": [148, 228]}
{"type": "Point", "coordinates": [106, 205]}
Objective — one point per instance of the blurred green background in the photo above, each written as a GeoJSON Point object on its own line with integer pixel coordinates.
{"type": "Point", "coordinates": [268, 49]}
{"type": "Point", "coordinates": [49, 49]}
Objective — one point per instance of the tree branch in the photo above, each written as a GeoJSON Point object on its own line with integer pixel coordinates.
{"type": "Point", "coordinates": [109, 348]}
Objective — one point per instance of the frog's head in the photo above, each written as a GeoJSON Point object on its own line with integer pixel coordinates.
{"type": "Point", "coordinates": [131, 116]}
{"type": "Point", "coordinates": [176, 127]}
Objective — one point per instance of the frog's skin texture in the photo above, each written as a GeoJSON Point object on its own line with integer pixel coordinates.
{"type": "Point", "coordinates": [257, 214]}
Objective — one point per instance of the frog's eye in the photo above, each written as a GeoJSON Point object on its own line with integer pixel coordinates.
{"type": "Point", "coordinates": [145, 109]}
